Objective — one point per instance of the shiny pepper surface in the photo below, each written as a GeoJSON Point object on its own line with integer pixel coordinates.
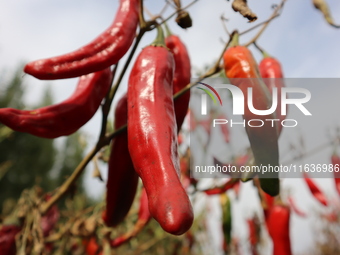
{"type": "Point", "coordinates": [271, 72]}
{"type": "Point", "coordinates": [106, 50]}
{"type": "Point", "coordinates": [152, 137]}
{"type": "Point", "coordinates": [182, 76]}
{"type": "Point", "coordinates": [278, 228]}
{"type": "Point", "coordinates": [241, 68]}
{"type": "Point", "coordinates": [122, 178]}
{"type": "Point", "coordinates": [66, 117]}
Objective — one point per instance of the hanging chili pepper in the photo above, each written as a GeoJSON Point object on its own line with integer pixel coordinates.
{"type": "Point", "coordinates": [92, 247]}
{"type": "Point", "coordinates": [50, 219]}
{"type": "Point", "coordinates": [335, 159]}
{"type": "Point", "coordinates": [182, 75]}
{"type": "Point", "coordinates": [278, 228]}
{"type": "Point", "coordinates": [254, 234]}
{"type": "Point", "coordinates": [222, 189]}
{"type": "Point", "coordinates": [315, 190]}
{"type": "Point", "coordinates": [294, 207]}
{"type": "Point", "coordinates": [152, 137]}
{"type": "Point", "coordinates": [8, 231]}
{"type": "Point", "coordinates": [106, 50]}
{"type": "Point", "coordinates": [271, 72]}
{"type": "Point", "coordinates": [143, 219]}
{"type": "Point", "coordinates": [122, 178]}
{"type": "Point", "coordinates": [240, 67]}
{"type": "Point", "coordinates": [66, 117]}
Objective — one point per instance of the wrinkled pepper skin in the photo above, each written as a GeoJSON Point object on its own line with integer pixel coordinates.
{"type": "Point", "coordinates": [240, 63]}
{"type": "Point", "coordinates": [66, 117]}
{"type": "Point", "coordinates": [272, 74]}
{"type": "Point", "coordinates": [106, 50]}
{"type": "Point", "coordinates": [182, 76]}
{"type": "Point", "coordinates": [278, 228]}
{"type": "Point", "coordinates": [152, 138]}
{"type": "Point", "coordinates": [122, 178]}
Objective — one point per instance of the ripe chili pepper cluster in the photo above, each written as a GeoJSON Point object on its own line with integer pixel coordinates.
{"type": "Point", "coordinates": [241, 68]}
{"type": "Point", "coordinates": [148, 148]}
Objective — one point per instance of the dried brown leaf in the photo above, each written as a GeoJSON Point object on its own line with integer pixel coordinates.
{"type": "Point", "coordinates": [322, 6]}
{"type": "Point", "coordinates": [241, 6]}
{"type": "Point", "coordinates": [90, 225]}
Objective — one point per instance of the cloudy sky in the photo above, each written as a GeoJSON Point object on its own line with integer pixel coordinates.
{"type": "Point", "coordinates": [306, 46]}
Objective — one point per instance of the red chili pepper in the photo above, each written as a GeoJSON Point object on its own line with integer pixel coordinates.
{"type": "Point", "coordinates": [106, 50]}
{"type": "Point", "coordinates": [314, 189]}
{"type": "Point", "coordinates": [278, 228]}
{"type": "Point", "coordinates": [271, 72]}
{"type": "Point", "coordinates": [92, 247]}
{"type": "Point", "coordinates": [182, 75]}
{"type": "Point", "coordinates": [152, 137]}
{"type": "Point", "coordinates": [66, 117]}
{"type": "Point", "coordinates": [220, 190]}
{"type": "Point", "coordinates": [143, 219]}
{"type": "Point", "coordinates": [254, 232]}
{"type": "Point", "coordinates": [8, 231]}
{"type": "Point", "coordinates": [294, 207]}
{"type": "Point", "coordinates": [241, 68]}
{"type": "Point", "coordinates": [336, 164]}
{"type": "Point", "coordinates": [50, 219]}
{"type": "Point", "coordinates": [122, 178]}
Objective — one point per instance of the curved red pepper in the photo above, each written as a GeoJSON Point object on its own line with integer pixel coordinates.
{"type": "Point", "coordinates": [106, 50]}
{"type": "Point", "coordinates": [271, 71]}
{"type": "Point", "coordinates": [294, 207]}
{"type": "Point", "coordinates": [50, 219]}
{"type": "Point", "coordinates": [152, 138]}
{"type": "Point", "coordinates": [182, 76]}
{"type": "Point", "coordinates": [66, 117]}
{"type": "Point", "coordinates": [143, 219]}
{"type": "Point", "coordinates": [254, 231]}
{"type": "Point", "coordinates": [240, 63]}
{"type": "Point", "coordinates": [278, 228]}
{"type": "Point", "coordinates": [92, 247]}
{"type": "Point", "coordinates": [336, 162]}
{"type": "Point", "coordinates": [314, 189]}
{"type": "Point", "coordinates": [122, 178]}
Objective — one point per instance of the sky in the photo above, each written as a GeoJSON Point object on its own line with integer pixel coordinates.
{"type": "Point", "coordinates": [306, 46]}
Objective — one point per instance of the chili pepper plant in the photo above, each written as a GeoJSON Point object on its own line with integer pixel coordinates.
{"type": "Point", "coordinates": [152, 204]}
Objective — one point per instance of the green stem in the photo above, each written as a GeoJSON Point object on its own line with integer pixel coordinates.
{"type": "Point", "coordinates": [167, 30]}
{"type": "Point", "coordinates": [159, 41]}
{"type": "Point", "coordinates": [264, 53]}
{"type": "Point", "coordinates": [234, 39]}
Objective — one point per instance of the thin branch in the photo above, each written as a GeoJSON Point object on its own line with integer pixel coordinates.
{"type": "Point", "coordinates": [106, 106]}
{"type": "Point", "coordinates": [275, 13]}
{"type": "Point", "coordinates": [260, 24]}
{"type": "Point", "coordinates": [62, 190]}
{"type": "Point", "coordinates": [224, 25]}
{"type": "Point", "coordinates": [173, 14]}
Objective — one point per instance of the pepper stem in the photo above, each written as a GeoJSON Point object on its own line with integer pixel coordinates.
{"type": "Point", "coordinates": [159, 41]}
{"type": "Point", "coordinates": [167, 30]}
{"type": "Point", "coordinates": [234, 39]}
{"type": "Point", "coordinates": [264, 53]}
